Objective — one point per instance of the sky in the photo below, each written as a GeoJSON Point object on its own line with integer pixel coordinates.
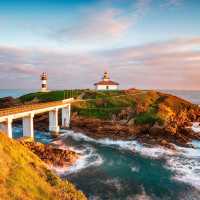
{"type": "Point", "coordinates": [148, 44]}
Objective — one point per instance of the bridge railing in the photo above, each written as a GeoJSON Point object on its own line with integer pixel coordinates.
{"type": "Point", "coordinates": [30, 107]}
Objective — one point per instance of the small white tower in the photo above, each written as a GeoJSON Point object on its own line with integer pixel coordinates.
{"type": "Point", "coordinates": [44, 78]}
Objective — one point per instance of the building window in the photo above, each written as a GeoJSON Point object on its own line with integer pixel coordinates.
{"type": "Point", "coordinates": [107, 87]}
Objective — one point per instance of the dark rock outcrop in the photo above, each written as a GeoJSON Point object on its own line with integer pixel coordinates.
{"type": "Point", "coordinates": [50, 154]}
{"type": "Point", "coordinates": [7, 102]}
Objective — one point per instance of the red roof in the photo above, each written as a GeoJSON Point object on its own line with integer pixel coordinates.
{"type": "Point", "coordinates": [106, 83]}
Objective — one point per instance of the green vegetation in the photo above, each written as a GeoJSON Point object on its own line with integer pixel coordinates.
{"type": "Point", "coordinates": [50, 96]}
{"type": "Point", "coordinates": [103, 104]}
{"type": "Point", "coordinates": [144, 106]}
{"type": "Point", "coordinates": [23, 176]}
{"type": "Point", "coordinates": [92, 94]}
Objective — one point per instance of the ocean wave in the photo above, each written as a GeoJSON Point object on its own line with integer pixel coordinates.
{"type": "Point", "coordinates": [186, 170]}
{"type": "Point", "coordinates": [87, 157]}
{"type": "Point", "coordinates": [132, 145]}
{"type": "Point", "coordinates": [185, 162]}
{"type": "Point", "coordinates": [186, 165]}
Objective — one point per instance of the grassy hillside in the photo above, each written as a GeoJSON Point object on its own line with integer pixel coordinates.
{"type": "Point", "coordinates": [23, 176]}
{"type": "Point", "coordinates": [143, 106]}
{"type": "Point", "coordinates": [50, 96]}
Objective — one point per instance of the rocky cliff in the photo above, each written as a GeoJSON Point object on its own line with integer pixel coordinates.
{"type": "Point", "coordinates": [149, 116]}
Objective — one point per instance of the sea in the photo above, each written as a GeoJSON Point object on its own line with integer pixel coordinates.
{"type": "Point", "coordinates": [128, 170]}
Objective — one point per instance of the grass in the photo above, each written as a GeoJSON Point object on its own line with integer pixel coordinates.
{"type": "Point", "coordinates": [92, 94]}
{"type": "Point", "coordinates": [23, 176]}
{"type": "Point", "coordinates": [103, 104]}
{"type": "Point", "coordinates": [145, 106]}
{"type": "Point", "coordinates": [50, 96]}
{"type": "Point", "coordinates": [101, 113]}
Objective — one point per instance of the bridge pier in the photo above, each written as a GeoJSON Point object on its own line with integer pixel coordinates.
{"type": "Point", "coordinates": [53, 121]}
{"type": "Point", "coordinates": [6, 127]}
{"type": "Point", "coordinates": [66, 116]}
{"type": "Point", "coordinates": [28, 129]}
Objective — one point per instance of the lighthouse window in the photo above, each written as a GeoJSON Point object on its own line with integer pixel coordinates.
{"type": "Point", "coordinates": [43, 85]}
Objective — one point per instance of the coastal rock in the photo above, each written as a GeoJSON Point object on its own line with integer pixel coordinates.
{"type": "Point", "coordinates": [51, 154]}
{"type": "Point", "coordinates": [188, 132]}
{"type": "Point", "coordinates": [103, 129]}
{"type": "Point", "coordinates": [156, 130]}
{"type": "Point", "coordinates": [7, 102]}
{"type": "Point", "coordinates": [168, 145]}
{"type": "Point", "coordinates": [131, 122]}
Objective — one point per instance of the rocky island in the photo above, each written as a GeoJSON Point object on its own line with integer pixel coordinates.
{"type": "Point", "coordinates": [148, 116]}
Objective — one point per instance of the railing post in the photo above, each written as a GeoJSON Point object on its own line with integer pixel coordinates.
{"type": "Point", "coordinates": [28, 128]}
{"type": "Point", "coordinates": [53, 121]}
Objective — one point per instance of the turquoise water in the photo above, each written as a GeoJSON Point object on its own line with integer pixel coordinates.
{"type": "Point", "coordinates": [126, 170]}
{"type": "Point", "coordinates": [122, 171]}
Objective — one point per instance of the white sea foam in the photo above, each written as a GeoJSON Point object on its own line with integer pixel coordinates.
{"type": "Point", "coordinates": [149, 151]}
{"type": "Point", "coordinates": [186, 170]}
{"type": "Point", "coordinates": [185, 162]}
{"type": "Point", "coordinates": [87, 157]}
{"type": "Point", "coordinates": [196, 127]}
{"type": "Point", "coordinates": [135, 169]}
{"type": "Point", "coordinates": [77, 136]}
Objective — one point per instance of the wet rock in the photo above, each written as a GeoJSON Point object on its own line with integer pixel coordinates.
{"type": "Point", "coordinates": [51, 154]}
{"type": "Point", "coordinates": [168, 145]}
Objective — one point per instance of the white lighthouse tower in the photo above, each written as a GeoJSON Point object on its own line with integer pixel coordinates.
{"type": "Point", "coordinates": [44, 78]}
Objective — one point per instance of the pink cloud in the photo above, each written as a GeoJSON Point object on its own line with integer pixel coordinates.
{"type": "Point", "coordinates": [172, 64]}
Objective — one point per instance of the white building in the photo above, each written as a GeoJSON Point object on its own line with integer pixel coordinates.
{"type": "Point", "coordinates": [44, 86]}
{"type": "Point", "coordinates": [106, 83]}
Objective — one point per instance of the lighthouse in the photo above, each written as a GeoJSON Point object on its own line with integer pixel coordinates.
{"type": "Point", "coordinates": [44, 86]}
{"type": "Point", "coordinates": [106, 83]}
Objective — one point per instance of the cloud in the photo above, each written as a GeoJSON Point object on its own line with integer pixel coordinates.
{"type": "Point", "coordinates": [97, 26]}
{"type": "Point", "coordinates": [108, 24]}
{"type": "Point", "coordinates": [14, 60]}
{"type": "Point", "coordinates": [173, 64]}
